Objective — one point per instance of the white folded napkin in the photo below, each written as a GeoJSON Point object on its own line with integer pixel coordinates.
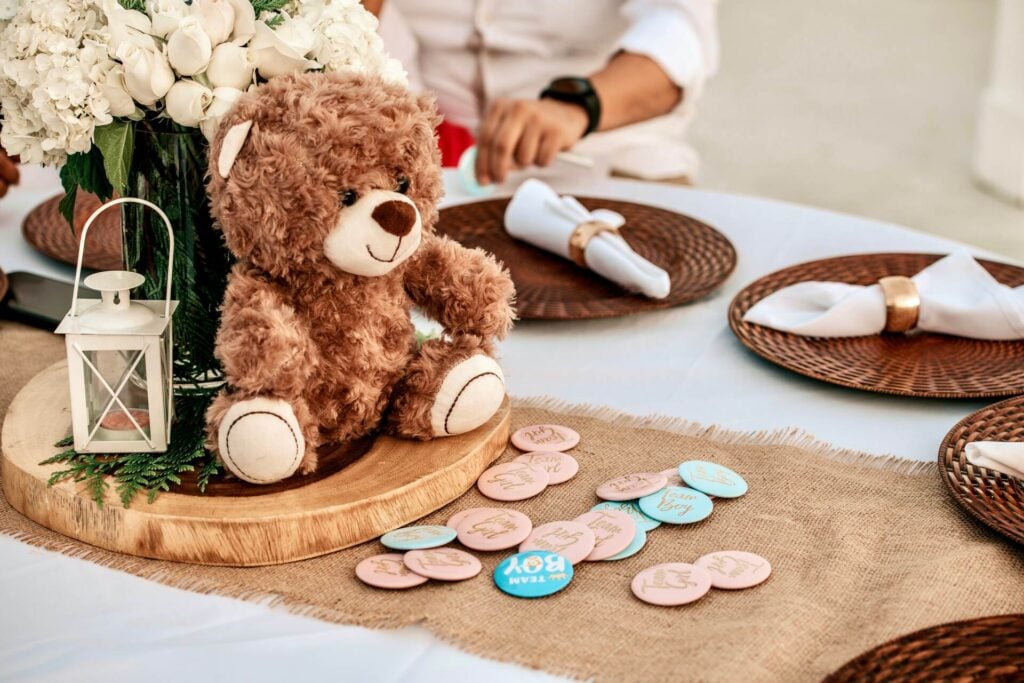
{"type": "Point", "coordinates": [536, 214]}
{"type": "Point", "coordinates": [958, 297]}
{"type": "Point", "coordinates": [1002, 456]}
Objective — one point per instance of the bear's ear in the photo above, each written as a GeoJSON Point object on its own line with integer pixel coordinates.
{"type": "Point", "coordinates": [231, 145]}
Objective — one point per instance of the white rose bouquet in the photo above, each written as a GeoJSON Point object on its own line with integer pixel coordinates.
{"type": "Point", "coordinates": [78, 76]}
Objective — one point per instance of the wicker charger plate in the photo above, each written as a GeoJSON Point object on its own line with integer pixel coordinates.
{"type": "Point", "coordinates": [46, 230]}
{"type": "Point", "coordinates": [924, 365]}
{"type": "Point", "coordinates": [697, 258]}
{"type": "Point", "coordinates": [987, 649]}
{"type": "Point", "coordinates": [994, 498]}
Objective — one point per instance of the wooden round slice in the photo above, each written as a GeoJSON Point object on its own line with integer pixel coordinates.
{"type": "Point", "coordinates": [46, 230]}
{"type": "Point", "coordinates": [352, 499]}
{"type": "Point", "coordinates": [697, 258]}
{"type": "Point", "coordinates": [925, 364]}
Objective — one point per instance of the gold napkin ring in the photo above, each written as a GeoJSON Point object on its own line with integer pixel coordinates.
{"type": "Point", "coordinates": [581, 236]}
{"type": "Point", "coordinates": [902, 303]}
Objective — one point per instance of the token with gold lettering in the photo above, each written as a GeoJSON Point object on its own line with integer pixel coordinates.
{"type": "Point", "coordinates": [676, 505]}
{"type": "Point", "coordinates": [632, 509]}
{"type": "Point", "coordinates": [674, 583]}
{"type": "Point", "coordinates": [632, 486]}
{"type": "Point", "coordinates": [416, 537]}
{"type": "Point", "coordinates": [673, 477]}
{"type": "Point", "coordinates": [572, 540]}
{"type": "Point", "coordinates": [494, 529]}
{"type": "Point", "coordinates": [545, 438]}
{"type": "Point", "coordinates": [635, 546]}
{"type": "Point", "coordinates": [613, 532]}
{"type": "Point", "coordinates": [735, 569]}
{"type": "Point", "coordinates": [512, 481]}
{"type": "Point", "coordinates": [443, 564]}
{"type": "Point", "coordinates": [533, 574]}
{"type": "Point", "coordinates": [561, 467]}
{"type": "Point", "coordinates": [712, 479]}
{"type": "Point", "coordinates": [387, 571]}
{"type": "Point", "coordinates": [456, 519]}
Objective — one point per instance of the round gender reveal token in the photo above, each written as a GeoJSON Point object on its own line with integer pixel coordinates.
{"type": "Point", "coordinates": [632, 509]}
{"type": "Point", "coordinates": [417, 537]}
{"type": "Point", "coordinates": [387, 571]}
{"type": "Point", "coordinates": [512, 481]}
{"type": "Point", "coordinates": [712, 479]}
{"type": "Point", "coordinates": [572, 540]}
{"type": "Point", "coordinates": [545, 438]}
{"type": "Point", "coordinates": [675, 583]}
{"type": "Point", "coordinates": [638, 542]}
{"type": "Point", "coordinates": [632, 486]}
{"type": "Point", "coordinates": [456, 519]}
{"type": "Point", "coordinates": [561, 467]}
{"type": "Point", "coordinates": [494, 529]}
{"type": "Point", "coordinates": [613, 532]}
{"type": "Point", "coordinates": [673, 477]}
{"type": "Point", "coordinates": [676, 505]}
{"type": "Point", "coordinates": [443, 564]}
{"type": "Point", "coordinates": [735, 569]}
{"type": "Point", "coordinates": [533, 574]}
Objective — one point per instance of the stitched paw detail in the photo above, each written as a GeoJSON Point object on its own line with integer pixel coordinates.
{"type": "Point", "coordinates": [470, 394]}
{"type": "Point", "coordinates": [260, 440]}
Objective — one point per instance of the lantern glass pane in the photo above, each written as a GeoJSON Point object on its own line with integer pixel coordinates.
{"type": "Point", "coordinates": [120, 374]}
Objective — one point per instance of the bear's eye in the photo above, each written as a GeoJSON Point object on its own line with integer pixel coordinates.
{"type": "Point", "coordinates": [402, 184]}
{"type": "Point", "coordinates": [348, 197]}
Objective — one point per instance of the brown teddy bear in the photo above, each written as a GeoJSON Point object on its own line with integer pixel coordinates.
{"type": "Point", "coordinates": [326, 188]}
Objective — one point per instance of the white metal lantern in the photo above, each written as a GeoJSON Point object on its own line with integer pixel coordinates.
{"type": "Point", "coordinates": [119, 358]}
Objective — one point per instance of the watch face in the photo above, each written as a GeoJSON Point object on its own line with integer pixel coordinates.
{"type": "Point", "coordinates": [570, 86]}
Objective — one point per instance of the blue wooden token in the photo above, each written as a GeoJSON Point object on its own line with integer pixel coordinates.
{"type": "Point", "coordinates": [638, 542]}
{"type": "Point", "coordinates": [677, 505]}
{"type": "Point", "coordinates": [631, 508]}
{"type": "Point", "coordinates": [418, 537]}
{"type": "Point", "coordinates": [533, 574]}
{"type": "Point", "coordinates": [713, 479]}
{"type": "Point", "coordinates": [467, 174]}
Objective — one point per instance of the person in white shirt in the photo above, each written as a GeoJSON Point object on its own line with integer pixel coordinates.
{"type": "Point", "coordinates": [612, 79]}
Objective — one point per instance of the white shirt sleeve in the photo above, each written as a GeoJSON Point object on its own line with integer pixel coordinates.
{"type": "Point", "coordinates": [679, 35]}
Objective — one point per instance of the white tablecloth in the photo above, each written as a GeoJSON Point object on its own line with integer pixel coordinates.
{"type": "Point", "coordinates": [66, 619]}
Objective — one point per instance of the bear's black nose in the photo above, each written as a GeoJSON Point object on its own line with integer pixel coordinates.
{"type": "Point", "coordinates": [395, 216]}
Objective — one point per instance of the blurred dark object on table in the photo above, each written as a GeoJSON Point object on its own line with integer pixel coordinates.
{"type": "Point", "coordinates": [9, 174]}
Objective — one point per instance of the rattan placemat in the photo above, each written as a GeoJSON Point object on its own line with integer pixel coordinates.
{"type": "Point", "coordinates": [697, 258]}
{"type": "Point", "coordinates": [994, 498]}
{"type": "Point", "coordinates": [46, 230]}
{"type": "Point", "coordinates": [987, 649]}
{"type": "Point", "coordinates": [925, 365]}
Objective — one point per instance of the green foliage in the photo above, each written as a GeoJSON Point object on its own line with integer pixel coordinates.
{"type": "Point", "coordinates": [261, 6]}
{"type": "Point", "coordinates": [83, 170]}
{"type": "Point", "coordinates": [135, 473]}
{"type": "Point", "coordinates": [137, 5]}
{"type": "Point", "coordinates": [115, 142]}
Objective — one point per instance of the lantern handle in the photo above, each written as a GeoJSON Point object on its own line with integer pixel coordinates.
{"type": "Point", "coordinates": [81, 248]}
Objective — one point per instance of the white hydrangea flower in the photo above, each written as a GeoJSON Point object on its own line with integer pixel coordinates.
{"type": "Point", "coordinates": [8, 8]}
{"type": "Point", "coordinates": [52, 56]}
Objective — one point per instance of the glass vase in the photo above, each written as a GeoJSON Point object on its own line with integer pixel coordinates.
{"type": "Point", "coordinates": [168, 169]}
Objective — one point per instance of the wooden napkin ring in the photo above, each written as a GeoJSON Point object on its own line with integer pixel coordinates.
{"type": "Point", "coordinates": [581, 236]}
{"type": "Point", "coordinates": [902, 303]}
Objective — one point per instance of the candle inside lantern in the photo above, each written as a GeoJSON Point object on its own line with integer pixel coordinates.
{"type": "Point", "coordinates": [117, 426]}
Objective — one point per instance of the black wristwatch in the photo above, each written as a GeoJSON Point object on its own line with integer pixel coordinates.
{"type": "Point", "coordinates": [578, 91]}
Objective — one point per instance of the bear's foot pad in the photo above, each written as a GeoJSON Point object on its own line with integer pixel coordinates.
{"type": "Point", "coordinates": [360, 491]}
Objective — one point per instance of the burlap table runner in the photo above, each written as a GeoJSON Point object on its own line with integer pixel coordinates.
{"type": "Point", "coordinates": [864, 549]}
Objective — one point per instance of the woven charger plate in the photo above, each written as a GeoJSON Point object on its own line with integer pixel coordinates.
{"type": "Point", "coordinates": [994, 498]}
{"type": "Point", "coordinates": [697, 258]}
{"type": "Point", "coordinates": [987, 649]}
{"type": "Point", "coordinates": [925, 365]}
{"type": "Point", "coordinates": [46, 230]}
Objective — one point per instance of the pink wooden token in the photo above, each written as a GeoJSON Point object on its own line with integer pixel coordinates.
{"type": "Point", "coordinates": [545, 438]}
{"type": "Point", "coordinates": [613, 532]}
{"type": "Point", "coordinates": [494, 529]}
{"type": "Point", "coordinates": [561, 467]}
{"type": "Point", "coordinates": [632, 486]}
{"type": "Point", "coordinates": [512, 481]}
{"type": "Point", "coordinates": [735, 569]}
{"type": "Point", "coordinates": [456, 519]}
{"type": "Point", "coordinates": [387, 571]}
{"type": "Point", "coordinates": [673, 478]}
{"type": "Point", "coordinates": [675, 583]}
{"type": "Point", "coordinates": [443, 564]}
{"type": "Point", "coordinates": [572, 540]}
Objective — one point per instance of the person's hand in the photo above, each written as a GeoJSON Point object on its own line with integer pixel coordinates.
{"type": "Point", "coordinates": [520, 133]}
{"type": "Point", "coordinates": [8, 172]}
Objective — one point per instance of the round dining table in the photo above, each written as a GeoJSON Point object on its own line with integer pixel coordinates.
{"type": "Point", "coordinates": [80, 621]}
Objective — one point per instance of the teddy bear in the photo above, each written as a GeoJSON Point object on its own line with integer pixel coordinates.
{"type": "Point", "coordinates": [325, 187]}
